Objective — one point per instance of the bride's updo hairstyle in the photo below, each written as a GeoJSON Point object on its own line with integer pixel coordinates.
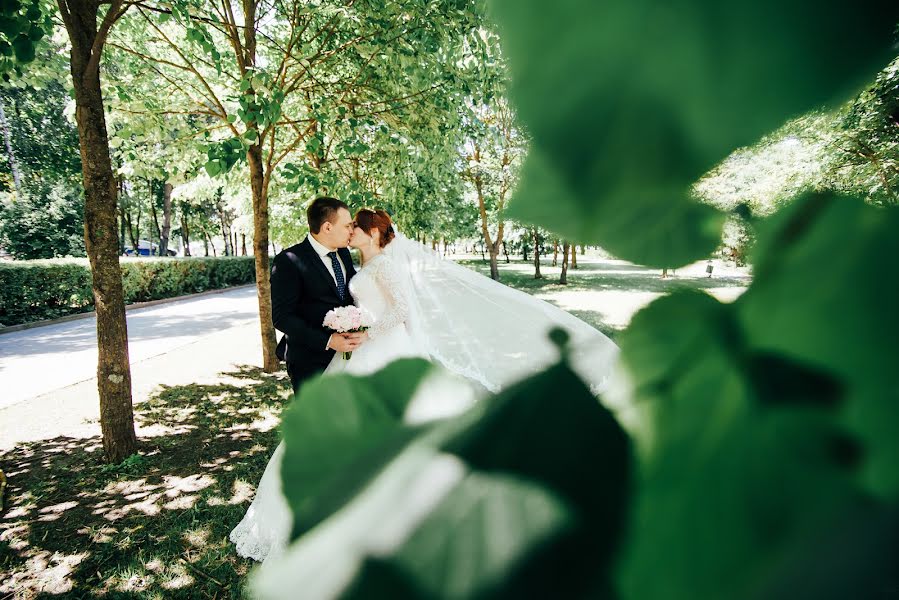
{"type": "Point", "coordinates": [369, 220]}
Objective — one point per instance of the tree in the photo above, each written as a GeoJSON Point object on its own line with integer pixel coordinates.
{"type": "Point", "coordinates": [494, 150]}
{"type": "Point", "coordinates": [303, 83]}
{"type": "Point", "coordinates": [563, 278]}
{"type": "Point", "coordinates": [537, 245]}
{"type": "Point", "coordinates": [87, 33]}
{"type": "Point", "coordinates": [865, 148]}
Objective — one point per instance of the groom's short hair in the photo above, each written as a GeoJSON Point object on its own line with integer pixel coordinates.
{"type": "Point", "coordinates": [321, 210]}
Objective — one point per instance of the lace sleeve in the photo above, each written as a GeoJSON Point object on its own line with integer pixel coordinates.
{"type": "Point", "coordinates": [387, 276]}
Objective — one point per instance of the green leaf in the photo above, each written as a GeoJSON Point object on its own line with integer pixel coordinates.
{"type": "Point", "coordinates": [213, 167]}
{"type": "Point", "coordinates": [333, 423]}
{"type": "Point", "coordinates": [674, 230]}
{"type": "Point", "coordinates": [24, 49]}
{"type": "Point", "coordinates": [671, 90]}
{"type": "Point", "coordinates": [826, 263]}
{"type": "Point", "coordinates": [736, 445]}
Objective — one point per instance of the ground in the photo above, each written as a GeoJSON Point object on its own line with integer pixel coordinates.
{"type": "Point", "coordinates": [156, 526]}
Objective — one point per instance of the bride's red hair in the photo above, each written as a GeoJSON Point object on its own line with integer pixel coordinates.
{"type": "Point", "coordinates": [369, 220]}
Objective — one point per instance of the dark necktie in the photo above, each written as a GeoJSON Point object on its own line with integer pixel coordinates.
{"type": "Point", "coordinates": [338, 275]}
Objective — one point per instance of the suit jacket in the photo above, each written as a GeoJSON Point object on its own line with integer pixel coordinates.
{"type": "Point", "coordinates": [303, 292]}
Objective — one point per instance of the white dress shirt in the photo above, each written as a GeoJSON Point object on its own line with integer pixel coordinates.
{"type": "Point", "coordinates": [322, 252]}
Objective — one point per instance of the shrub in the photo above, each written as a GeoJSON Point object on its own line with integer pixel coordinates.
{"type": "Point", "coordinates": [38, 290]}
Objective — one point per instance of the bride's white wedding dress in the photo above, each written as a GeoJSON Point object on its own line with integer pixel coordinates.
{"type": "Point", "coordinates": [422, 305]}
{"type": "Point", "coordinates": [377, 288]}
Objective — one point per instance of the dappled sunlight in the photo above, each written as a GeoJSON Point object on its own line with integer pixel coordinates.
{"type": "Point", "coordinates": [242, 493]}
{"type": "Point", "coordinates": [75, 524]}
{"type": "Point", "coordinates": [54, 570]}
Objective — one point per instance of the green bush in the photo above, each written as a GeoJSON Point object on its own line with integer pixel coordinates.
{"type": "Point", "coordinates": [38, 290]}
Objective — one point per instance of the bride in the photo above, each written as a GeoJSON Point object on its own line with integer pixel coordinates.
{"type": "Point", "coordinates": [424, 306]}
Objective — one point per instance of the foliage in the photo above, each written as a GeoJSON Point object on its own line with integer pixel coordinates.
{"type": "Point", "coordinates": [670, 94]}
{"type": "Point", "coordinates": [865, 146]}
{"type": "Point", "coordinates": [37, 290]}
{"type": "Point", "coordinates": [44, 220]}
{"type": "Point", "coordinates": [44, 140]}
{"type": "Point", "coordinates": [22, 26]}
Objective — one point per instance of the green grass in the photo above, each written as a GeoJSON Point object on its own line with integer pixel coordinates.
{"type": "Point", "coordinates": [156, 525]}
{"type": "Point", "coordinates": [595, 275]}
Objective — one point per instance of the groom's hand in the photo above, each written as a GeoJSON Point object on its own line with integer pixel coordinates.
{"type": "Point", "coordinates": [342, 342]}
{"type": "Point", "coordinates": [357, 337]}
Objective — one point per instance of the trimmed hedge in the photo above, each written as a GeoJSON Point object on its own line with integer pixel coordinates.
{"type": "Point", "coordinates": [48, 289]}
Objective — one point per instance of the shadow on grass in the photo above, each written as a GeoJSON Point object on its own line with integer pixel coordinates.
{"type": "Point", "coordinates": [157, 525]}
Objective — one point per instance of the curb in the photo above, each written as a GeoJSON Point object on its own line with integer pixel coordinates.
{"type": "Point", "coordinates": [128, 307]}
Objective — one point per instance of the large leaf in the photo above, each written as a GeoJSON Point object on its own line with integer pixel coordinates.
{"type": "Point", "coordinates": [743, 457]}
{"type": "Point", "coordinates": [629, 102]}
{"type": "Point", "coordinates": [340, 430]}
{"type": "Point", "coordinates": [827, 284]}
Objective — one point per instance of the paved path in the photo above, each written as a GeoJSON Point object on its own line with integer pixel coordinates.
{"type": "Point", "coordinates": [43, 360]}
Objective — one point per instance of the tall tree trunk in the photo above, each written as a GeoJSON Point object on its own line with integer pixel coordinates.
{"type": "Point", "coordinates": [224, 226]}
{"type": "Point", "coordinates": [122, 233]}
{"type": "Point", "coordinates": [226, 236]}
{"type": "Point", "coordinates": [537, 273]}
{"type": "Point", "coordinates": [243, 244]}
{"type": "Point", "coordinates": [166, 219]}
{"type": "Point", "coordinates": [131, 235]}
{"type": "Point", "coordinates": [555, 252]}
{"type": "Point", "coordinates": [259, 181]}
{"type": "Point", "coordinates": [563, 278]}
{"type": "Point", "coordinates": [100, 238]}
{"type": "Point", "coordinates": [206, 244]}
{"type": "Point", "coordinates": [583, 249]}
{"type": "Point", "coordinates": [492, 245]}
{"type": "Point", "coordinates": [155, 217]}
{"type": "Point", "coordinates": [574, 257]}
{"type": "Point", "coordinates": [7, 137]}
{"type": "Point", "coordinates": [209, 243]}
{"type": "Point", "coordinates": [185, 233]}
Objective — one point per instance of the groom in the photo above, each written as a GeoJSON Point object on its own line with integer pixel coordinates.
{"type": "Point", "coordinates": [308, 280]}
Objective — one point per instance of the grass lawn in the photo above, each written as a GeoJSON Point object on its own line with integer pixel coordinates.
{"type": "Point", "coordinates": [157, 525]}
{"type": "Point", "coordinates": [606, 292]}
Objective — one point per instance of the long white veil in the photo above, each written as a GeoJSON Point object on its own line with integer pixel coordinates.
{"type": "Point", "coordinates": [486, 331]}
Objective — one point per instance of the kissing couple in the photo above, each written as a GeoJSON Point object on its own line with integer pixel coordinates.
{"type": "Point", "coordinates": [417, 305]}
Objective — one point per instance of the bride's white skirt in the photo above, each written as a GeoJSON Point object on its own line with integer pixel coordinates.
{"type": "Point", "coordinates": [265, 529]}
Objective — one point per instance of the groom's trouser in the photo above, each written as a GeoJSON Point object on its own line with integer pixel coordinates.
{"type": "Point", "coordinates": [294, 378]}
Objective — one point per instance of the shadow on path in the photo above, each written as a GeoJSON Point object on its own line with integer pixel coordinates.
{"type": "Point", "coordinates": [157, 524]}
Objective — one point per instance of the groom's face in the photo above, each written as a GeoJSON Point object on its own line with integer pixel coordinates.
{"type": "Point", "coordinates": [337, 234]}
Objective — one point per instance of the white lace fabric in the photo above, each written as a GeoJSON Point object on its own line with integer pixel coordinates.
{"type": "Point", "coordinates": [384, 273]}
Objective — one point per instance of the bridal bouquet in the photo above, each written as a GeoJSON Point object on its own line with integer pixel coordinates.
{"type": "Point", "coordinates": [346, 319]}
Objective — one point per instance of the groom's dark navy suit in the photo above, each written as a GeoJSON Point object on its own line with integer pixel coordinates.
{"type": "Point", "coordinates": [303, 291]}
